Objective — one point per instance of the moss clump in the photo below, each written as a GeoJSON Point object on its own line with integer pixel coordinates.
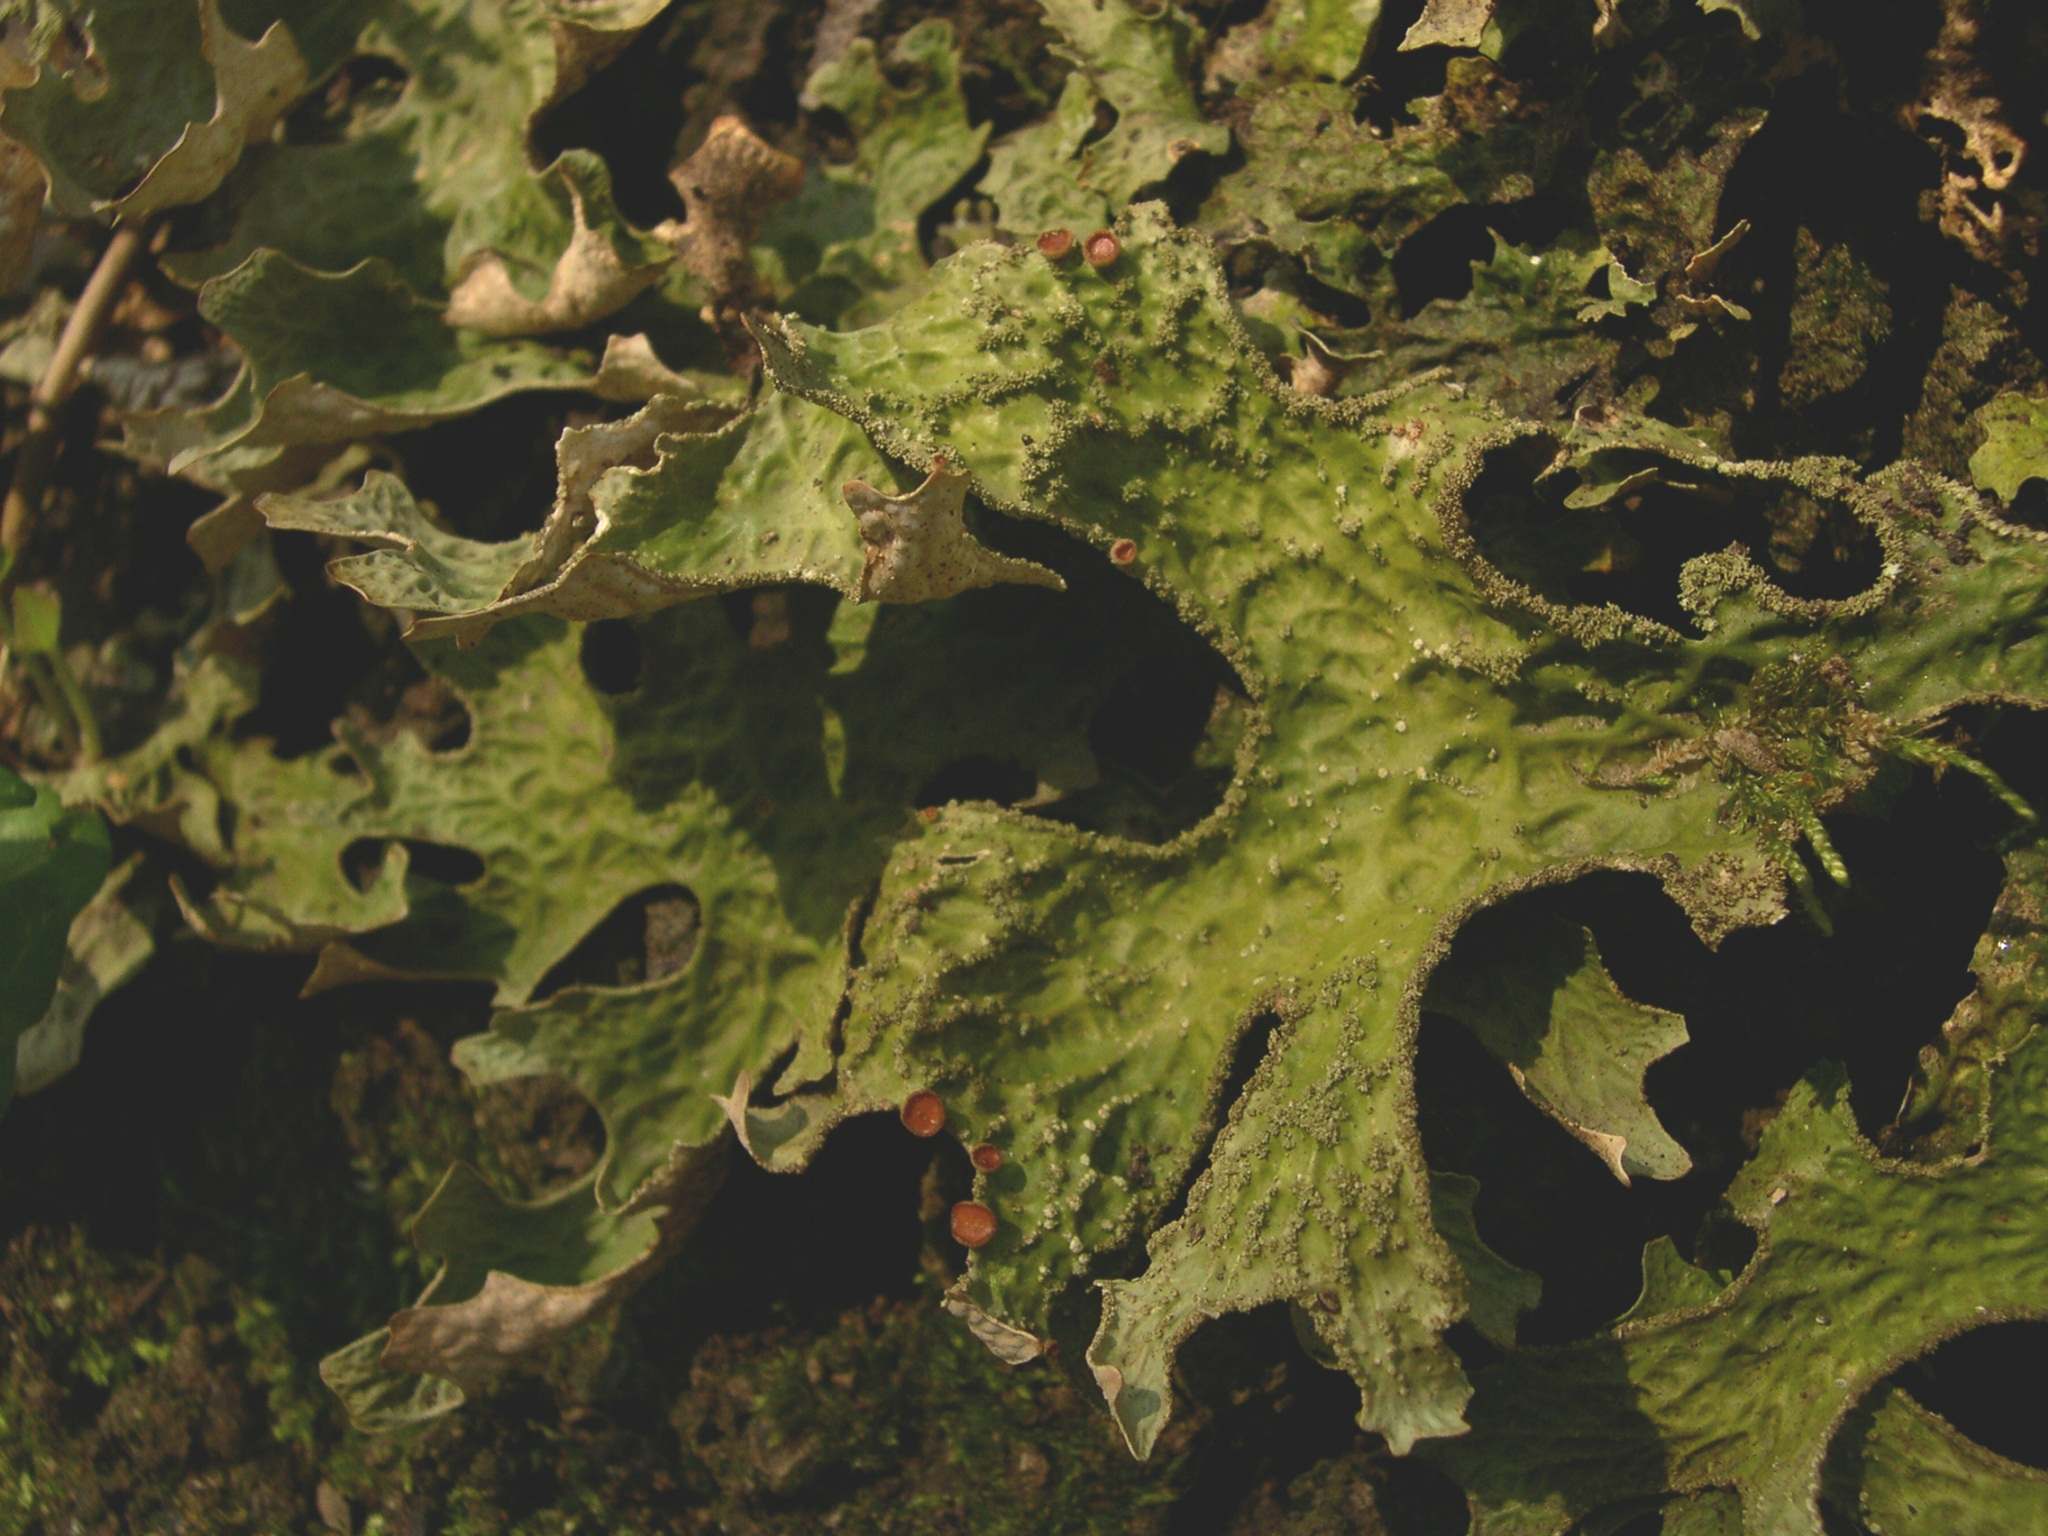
{"type": "Point", "coordinates": [1841, 315]}
{"type": "Point", "coordinates": [891, 1421]}
{"type": "Point", "coordinates": [139, 1395]}
{"type": "Point", "coordinates": [1981, 352]}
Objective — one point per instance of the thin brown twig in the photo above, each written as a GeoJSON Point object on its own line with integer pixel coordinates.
{"type": "Point", "coordinates": [38, 447]}
{"type": "Point", "coordinates": [49, 674]}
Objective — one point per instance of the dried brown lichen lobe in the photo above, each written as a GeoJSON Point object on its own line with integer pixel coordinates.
{"type": "Point", "coordinates": [916, 547]}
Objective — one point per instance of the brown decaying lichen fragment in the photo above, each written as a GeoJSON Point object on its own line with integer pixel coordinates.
{"type": "Point", "coordinates": [728, 184]}
{"type": "Point", "coordinates": [917, 546]}
{"type": "Point", "coordinates": [1957, 90]}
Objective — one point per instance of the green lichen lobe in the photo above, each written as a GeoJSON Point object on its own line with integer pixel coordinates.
{"type": "Point", "coordinates": [1429, 737]}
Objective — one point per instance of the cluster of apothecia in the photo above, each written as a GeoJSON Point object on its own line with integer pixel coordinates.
{"type": "Point", "coordinates": [924, 1114]}
{"type": "Point", "coordinates": [1099, 250]}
